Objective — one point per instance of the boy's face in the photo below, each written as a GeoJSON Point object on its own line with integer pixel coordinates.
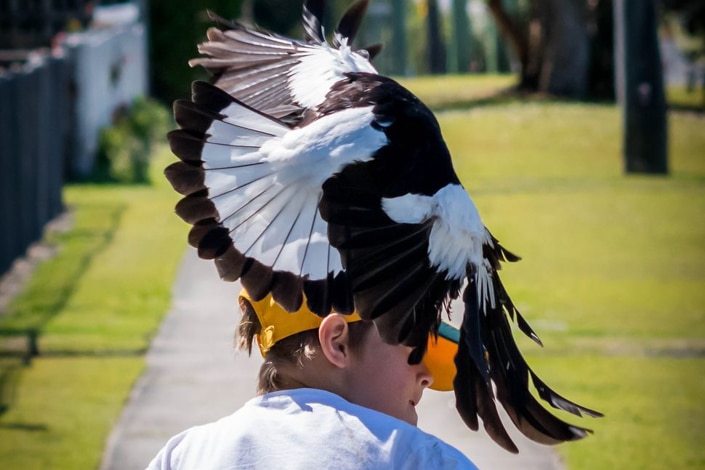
{"type": "Point", "coordinates": [382, 379]}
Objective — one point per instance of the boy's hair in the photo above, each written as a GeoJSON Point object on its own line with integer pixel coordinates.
{"type": "Point", "coordinates": [290, 351]}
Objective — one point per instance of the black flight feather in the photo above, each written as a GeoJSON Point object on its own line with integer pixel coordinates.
{"type": "Point", "coordinates": [350, 21]}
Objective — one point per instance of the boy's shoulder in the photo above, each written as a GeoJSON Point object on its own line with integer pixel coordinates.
{"type": "Point", "coordinates": [304, 427]}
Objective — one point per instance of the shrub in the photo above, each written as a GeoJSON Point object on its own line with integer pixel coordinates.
{"type": "Point", "coordinates": [124, 147]}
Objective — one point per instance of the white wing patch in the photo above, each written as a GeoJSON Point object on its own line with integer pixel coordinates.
{"type": "Point", "coordinates": [409, 208]}
{"type": "Point", "coordinates": [320, 67]}
{"type": "Point", "coordinates": [265, 182]}
{"type": "Point", "coordinates": [457, 234]}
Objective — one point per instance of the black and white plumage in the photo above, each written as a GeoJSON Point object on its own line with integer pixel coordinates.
{"type": "Point", "coordinates": [280, 76]}
{"type": "Point", "coordinates": [308, 175]}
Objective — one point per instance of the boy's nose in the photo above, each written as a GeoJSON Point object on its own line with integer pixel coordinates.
{"type": "Point", "coordinates": [425, 376]}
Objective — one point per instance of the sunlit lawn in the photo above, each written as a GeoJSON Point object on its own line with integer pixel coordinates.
{"type": "Point", "coordinates": [683, 96]}
{"type": "Point", "coordinates": [457, 90]}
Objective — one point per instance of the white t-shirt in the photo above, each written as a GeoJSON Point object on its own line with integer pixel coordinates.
{"type": "Point", "coordinates": [304, 429]}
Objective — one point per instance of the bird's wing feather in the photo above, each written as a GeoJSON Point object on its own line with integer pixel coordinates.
{"type": "Point", "coordinates": [252, 66]}
{"type": "Point", "coordinates": [260, 68]}
{"type": "Point", "coordinates": [313, 16]}
{"type": "Point", "coordinates": [350, 22]}
{"type": "Point", "coordinates": [252, 188]}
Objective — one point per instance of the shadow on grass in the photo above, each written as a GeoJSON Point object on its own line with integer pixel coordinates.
{"type": "Point", "coordinates": [683, 108]}
{"type": "Point", "coordinates": [54, 298]}
{"type": "Point", "coordinates": [21, 328]}
{"type": "Point", "coordinates": [505, 96]}
{"type": "Point", "coordinates": [9, 378]}
{"type": "Point", "coordinates": [514, 95]}
{"type": "Point", "coordinates": [500, 97]}
{"type": "Point", "coordinates": [25, 427]}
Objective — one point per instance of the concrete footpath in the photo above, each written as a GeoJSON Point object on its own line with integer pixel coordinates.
{"type": "Point", "coordinates": [194, 375]}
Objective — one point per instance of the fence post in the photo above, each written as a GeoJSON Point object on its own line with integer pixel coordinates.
{"type": "Point", "coordinates": [60, 92]}
{"type": "Point", "coordinates": [46, 119]}
{"type": "Point", "coordinates": [14, 149]}
{"type": "Point", "coordinates": [32, 131]}
{"type": "Point", "coordinates": [26, 157]}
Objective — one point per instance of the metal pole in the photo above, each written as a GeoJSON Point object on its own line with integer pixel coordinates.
{"type": "Point", "coordinates": [399, 37]}
{"type": "Point", "coordinates": [640, 87]}
{"type": "Point", "coordinates": [460, 45]}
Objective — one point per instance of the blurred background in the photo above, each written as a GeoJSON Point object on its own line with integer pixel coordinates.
{"type": "Point", "coordinates": [578, 126]}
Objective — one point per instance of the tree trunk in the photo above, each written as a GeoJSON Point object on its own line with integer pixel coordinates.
{"type": "Point", "coordinates": [553, 46]}
{"type": "Point", "coordinates": [512, 30]}
{"type": "Point", "coordinates": [602, 64]}
{"type": "Point", "coordinates": [564, 70]}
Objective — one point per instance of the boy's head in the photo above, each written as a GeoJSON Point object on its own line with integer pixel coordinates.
{"type": "Point", "coordinates": [341, 354]}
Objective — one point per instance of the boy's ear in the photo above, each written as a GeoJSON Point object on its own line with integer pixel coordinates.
{"type": "Point", "coordinates": [334, 336]}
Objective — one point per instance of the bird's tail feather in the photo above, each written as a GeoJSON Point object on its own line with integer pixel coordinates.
{"type": "Point", "coordinates": [491, 369]}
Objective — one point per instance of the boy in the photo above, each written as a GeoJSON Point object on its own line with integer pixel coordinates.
{"type": "Point", "coordinates": [331, 394]}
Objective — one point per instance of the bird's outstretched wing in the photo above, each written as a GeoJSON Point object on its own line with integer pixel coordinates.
{"type": "Point", "coordinates": [252, 189]}
{"type": "Point", "coordinates": [309, 176]}
{"type": "Point", "coordinates": [279, 76]}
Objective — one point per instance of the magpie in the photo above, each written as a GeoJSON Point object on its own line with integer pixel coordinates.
{"type": "Point", "coordinates": [308, 175]}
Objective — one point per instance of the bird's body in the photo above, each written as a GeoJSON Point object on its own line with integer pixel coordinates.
{"type": "Point", "coordinates": [309, 176]}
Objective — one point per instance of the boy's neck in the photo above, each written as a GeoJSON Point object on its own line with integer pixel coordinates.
{"type": "Point", "coordinates": [315, 372]}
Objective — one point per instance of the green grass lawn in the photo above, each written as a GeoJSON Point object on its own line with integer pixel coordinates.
{"type": "Point", "coordinates": [613, 280]}
{"type": "Point", "coordinates": [96, 305]}
{"type": "Point", "coordinates": [458, 91]}
{"type": "Point", "coordinates": [681, 96]}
